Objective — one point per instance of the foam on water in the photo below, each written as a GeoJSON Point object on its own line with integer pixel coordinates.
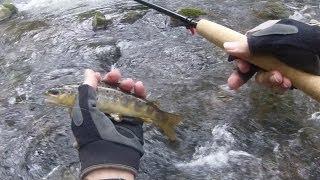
{"type": "Point", "coordinates": [217, 152]}
{"type": "Point", "coordinates": [56, 6]}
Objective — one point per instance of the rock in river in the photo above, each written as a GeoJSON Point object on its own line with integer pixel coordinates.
{"type": "Point", "coordinates": [100, 21]}
{"type": "Point", "coordinates": [7, 10]}
{"type": "Point", "coordinates": [271, 9]}
{"type": "Point", "coordinates": [132, 16]}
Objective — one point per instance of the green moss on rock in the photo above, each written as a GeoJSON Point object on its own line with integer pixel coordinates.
{"type": "Point", "coordinates": [17, 29]}
{"type": "Point", "coordinates": [194, 13]}
{"type": "Point", "coordinates": [7, 10]}
{"type": "Point", "coordinates": [132, 16]}
{"type": "Point", "coordinates": [191, 12]}
{"type": "Point", "coordinates": [100, 21]}
{"type": "Point", "coordinates": [11, 7]}
{"type": "Point", "coordinates": [5, 13]}
{"type": "Point", "coordinates": [273, 9]}
{"type": "Point", "coordinates": [86, 15]}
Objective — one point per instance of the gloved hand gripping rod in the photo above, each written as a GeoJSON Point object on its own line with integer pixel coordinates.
{"type": "Point", "coordinates": [218, 34]}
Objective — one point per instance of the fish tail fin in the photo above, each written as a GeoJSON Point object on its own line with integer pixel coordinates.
{"type": "Point", "coordinates": [169, 122]}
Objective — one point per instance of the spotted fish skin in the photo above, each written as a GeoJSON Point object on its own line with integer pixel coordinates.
{"type": "Point", "coordinates": [119, 104]}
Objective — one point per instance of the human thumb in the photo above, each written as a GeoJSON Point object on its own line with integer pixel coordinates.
{"type": "Point", "coordinates": [91, 78]}
{"type": "Point", "coordinates": [238, 49]}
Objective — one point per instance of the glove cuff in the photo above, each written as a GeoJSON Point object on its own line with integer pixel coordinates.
{"type": "Point", "coordinates": [106, 154]}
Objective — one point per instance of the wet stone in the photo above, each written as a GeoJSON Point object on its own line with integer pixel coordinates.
{"type": "Point", "coordinates": [7, 10]}
{"type": "Point", "coordinates": [11, 7]}
{"type": "Point", "coordinates": [10, 123]}
{"type": "Point", "coordinates": [100, 21]}
{"type": "Point", "coordinates": [86, 15]}
{"type": "Point", "coordinates": [21, 98]}
{"type": "Point", "coordinates": [271, 9]}
{"type": "Point", "coordinates": [5, 13]}
{"type": "Point", "coordinates": [18, 29]}
{"type": "Point", "coordinates": [107, 55]}
{"type": "Point", "coordinates": [132, 16]}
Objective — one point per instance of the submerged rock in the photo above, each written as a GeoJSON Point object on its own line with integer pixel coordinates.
{"type": "Point", "coordinates": [271, 9]}
{"type": "Point", "coordinates": [132, 16]}
{"type": "Point", "coordinates": [193, 13]}
{"type": "Point", "coordinates": [7, 10]}
{"type": "Point", "coordinates": [5, 13]}
{"type": "Point", "coordinates": [17, 29]}
{"type": "Point", "coordinates": [86, 15]}
{"type": "Point", "coordinates": [100, 21]}
{"type": "Point", "coordinates": [11, 7]}
{"type": "Point", "coordinates": [107, 55]}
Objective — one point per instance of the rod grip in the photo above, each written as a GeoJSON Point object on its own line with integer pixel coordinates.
{"type": "Point", "coordinates": [218, 34]}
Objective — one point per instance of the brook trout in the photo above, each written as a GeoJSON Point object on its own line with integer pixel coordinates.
{"type": "Point", "coordinates": [118, 104]}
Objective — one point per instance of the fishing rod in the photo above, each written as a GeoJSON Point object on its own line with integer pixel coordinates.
{"type": "Point", "coordinates": [219, 34]}
{"type": "Point", "coordinates": [189, 22]}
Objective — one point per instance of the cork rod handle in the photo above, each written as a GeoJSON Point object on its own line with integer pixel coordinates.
{"type": "Point", "coordinates": [218, 34]}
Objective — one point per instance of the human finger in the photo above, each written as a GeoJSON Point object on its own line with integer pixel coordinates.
{"type": "Point", "coordinates": [235, 81]}
{"type": "Point", "coordinates": [91, 78]}
{"type": "Point", "coordinates": [140, 90]}
{"type": "Point", "coordinates": [238, 49]}
{"type": "Point", "coordinates": [126, 85]}
{"type": "Point", "coordinates": [243, 66]}
{"type": "Point", "coordinates": [269, 79]}
{"type": "Point", "coordinates": [273, 80]}
{"type": "Point", "coordinates": [112, 77]}
{"type": "Point", "coordinates": [286, 84]}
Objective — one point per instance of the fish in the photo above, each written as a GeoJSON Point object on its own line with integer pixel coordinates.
{"type": "Point", "coordinates": [119, 104]}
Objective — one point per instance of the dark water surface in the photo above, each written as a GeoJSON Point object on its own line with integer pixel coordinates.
{"type": "Point", "coordinates": [251, 134]}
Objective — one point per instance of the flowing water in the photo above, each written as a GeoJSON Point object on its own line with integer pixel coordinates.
{"type": "Point", "coordinates": [250, 134]}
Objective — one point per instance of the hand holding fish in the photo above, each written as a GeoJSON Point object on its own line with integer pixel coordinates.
{"type": "Point", "coordinates": [129, 102]}
{"type": "Point", "coordinates": [104, 144]}
{"type": "Point", "coordinates": [113, 77]}
{"type": "Point", "coordinates": [107, 123]}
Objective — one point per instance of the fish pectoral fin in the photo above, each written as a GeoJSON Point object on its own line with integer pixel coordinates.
{"type": "Point", "coordinates": [116, 117]}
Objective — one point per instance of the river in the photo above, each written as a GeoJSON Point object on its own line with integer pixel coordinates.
{"type": "Point", "coordinates": [249, 134]}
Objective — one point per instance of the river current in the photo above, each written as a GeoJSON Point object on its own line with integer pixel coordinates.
{"type": "Point", "coordinates": [249, 134]}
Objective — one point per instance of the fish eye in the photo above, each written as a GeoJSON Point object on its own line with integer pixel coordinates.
{"type": "Point", "coordinates": [54, 92]}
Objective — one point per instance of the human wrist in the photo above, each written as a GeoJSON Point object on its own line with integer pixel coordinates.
{"type": "Point", "coordinates": [109, 173]}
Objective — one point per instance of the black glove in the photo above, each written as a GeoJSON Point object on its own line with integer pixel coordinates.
{"type": "Point", "coordinates": [102, 142]}
{"type": "Point", "coordinates": [294, 43]}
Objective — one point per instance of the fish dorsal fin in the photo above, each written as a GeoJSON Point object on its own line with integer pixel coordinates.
{"type": "Point", "coordinates": [154, 103]}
